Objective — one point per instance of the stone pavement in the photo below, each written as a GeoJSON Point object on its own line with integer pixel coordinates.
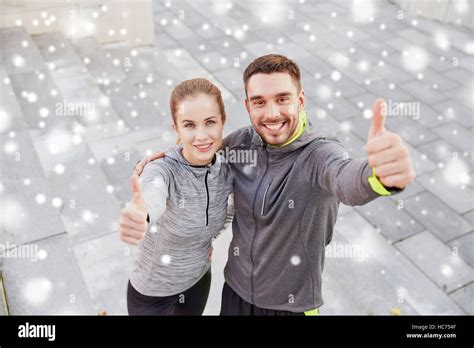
{"type": "Point", "coordinates": [75, 116]}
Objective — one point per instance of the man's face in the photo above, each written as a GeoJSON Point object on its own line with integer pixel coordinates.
{"type": "Point", "coordinates": [273, 103]}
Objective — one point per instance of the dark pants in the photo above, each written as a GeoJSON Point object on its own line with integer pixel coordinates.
{"type": "Point", "coordinates": [189, 302]}
{"type": "Point", "coordinates": [233, 304]}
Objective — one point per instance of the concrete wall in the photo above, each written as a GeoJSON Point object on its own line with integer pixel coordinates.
{"type": "Point", "coordinates": [107, 20]}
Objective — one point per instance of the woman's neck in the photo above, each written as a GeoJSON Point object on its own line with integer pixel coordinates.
{"type": "Point", "coordinates": [193, 163]}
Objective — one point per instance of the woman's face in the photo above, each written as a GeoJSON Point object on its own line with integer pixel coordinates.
{"type": "Point", "coordinates": [199, 125]}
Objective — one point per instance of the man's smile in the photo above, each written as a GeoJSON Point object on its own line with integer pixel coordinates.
{"type": "Point", "coordinates": [274, 128]}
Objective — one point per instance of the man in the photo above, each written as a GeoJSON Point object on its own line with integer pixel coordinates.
{"type": "Point", "coordinates": [286, 206]}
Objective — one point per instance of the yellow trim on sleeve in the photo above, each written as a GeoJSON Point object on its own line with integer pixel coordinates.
{"type": "Point", "coordinates": [377, 186]}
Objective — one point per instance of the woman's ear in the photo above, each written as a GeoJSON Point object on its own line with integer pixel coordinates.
{"type": "Point", "coordinates": [178, 139]}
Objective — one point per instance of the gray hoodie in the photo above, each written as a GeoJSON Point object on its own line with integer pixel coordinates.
{"type": "Point", "coordinates": [285, 211]}
{"type": "Point", "coordinates": [188, 207]}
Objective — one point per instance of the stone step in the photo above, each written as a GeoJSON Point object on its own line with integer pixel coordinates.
{"type": "Point", "coordinates": [139, 64]}
{"type": "Point", "coordinates": [448, 185]}
{"type": "Point", "coordinates": [43, 278]}
{"type": "Point", "coordinates": [400, 225]}
{"type": "Point", "coordinates": [436, 216]}
{"type": "Point", "coordinates": [18, 52]}
{"type": "Point", "coordinates": [444, 153]}
{"type": "Point", "coordinates": [170, 63]}
{"type": "Point", "coordinates": [423, 91]}
{"type": "Point", "coordinates": [469, 217]}
{"type": "Point", "coordinates": [98, 62]}
{"type": "Point", "coordinates": [132, 107]}
{"type": "Point", "coordinates": [231, 79]}
{"type": "Point", "coordinates": [455, 134]}
{"type": "Point", "coordinates": [40, 101]}
{"type": "Point", "coordinates": [464, 297]}
{"type": "Point", "coordinates": [58, 52]}
{"type": "Point", "coordinates": [67, 64]}
{"type": "Point", "coordinates": [179, 30]}
{"type": "Point", "coordinates": [10, 112]}
{"type": "Point", "coordinates": [392, 281]}
{"type": "Point", "coordinates": [439, 262]}
{"type": "Point", "coordinates": [462, 96]}
{"type": "Point", "coordinates": [463, 246]}
{"type": "Point", "coordinates": [106, 264]}
{"type": "Point", "coordinates": [25, 193]}
{"type": "Point", "coordinates": [87, 204]}
{"type": "Point", "coordinates": [82, 100]}
{"type": "Point", "coordinates": [118, 155]}
{"type": "Point", "coordinates": [29, 212]}
{"type": "Point", "coordinates": [237, 116]}
{"type": "Point", "coordinates": [165, 140]}
{"type": "Point", "coordinates": [118, 167]}
{"type": "Point", "coordinates": [451, 110]}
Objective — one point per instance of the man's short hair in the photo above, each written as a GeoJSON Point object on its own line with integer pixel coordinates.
{"type": "Point", "coordinates": [272, 63]}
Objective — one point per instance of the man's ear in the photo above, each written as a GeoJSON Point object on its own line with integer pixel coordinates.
{"type": "Point", "coordinates": [247, 106]}
{"type": "Point", "coordinates": [301, 98]}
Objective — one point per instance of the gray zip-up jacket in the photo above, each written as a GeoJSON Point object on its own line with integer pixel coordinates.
{"type": "Point", "coordinates": [188, 207]}
{"type": "Point", "coordinates": [285, 211]}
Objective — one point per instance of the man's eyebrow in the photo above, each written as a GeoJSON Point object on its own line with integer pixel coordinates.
{"type": "Point", "coordinates": [281, 94]}
{"type": "Point", "coordinates": [255, 97]}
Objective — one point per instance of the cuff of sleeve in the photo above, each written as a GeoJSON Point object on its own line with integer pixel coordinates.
{"type": "Point", "coordinates": [377, 186]}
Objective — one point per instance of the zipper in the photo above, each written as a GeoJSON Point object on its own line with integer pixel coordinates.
{"type": "Point", "coordinates": [255, 233]}
{"type": "Point", "coordinates": [207, 196]}
{"type": "Point", "coordinates": [264, 196]}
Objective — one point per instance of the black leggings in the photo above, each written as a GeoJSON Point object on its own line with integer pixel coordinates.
{"type": "Point", "coordinates": [233, 304]}
{"type": "Point", "coordinates": [190, 302]}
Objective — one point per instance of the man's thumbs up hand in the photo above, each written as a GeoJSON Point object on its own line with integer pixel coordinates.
{"type": "Point", "coordinates": [133, 218]}
{"type": "Point", "coordinates": [386, 151]}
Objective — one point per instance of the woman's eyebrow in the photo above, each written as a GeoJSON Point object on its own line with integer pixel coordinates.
{"type": "Point", "coordinates": [206, 119]}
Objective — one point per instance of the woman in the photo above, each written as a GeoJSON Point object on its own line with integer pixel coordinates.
{"type": "Point", "coordinates": [185, 197]}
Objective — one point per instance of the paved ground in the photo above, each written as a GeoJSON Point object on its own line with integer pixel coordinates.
{"type": "Point", "coordinates": [65, 166]}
